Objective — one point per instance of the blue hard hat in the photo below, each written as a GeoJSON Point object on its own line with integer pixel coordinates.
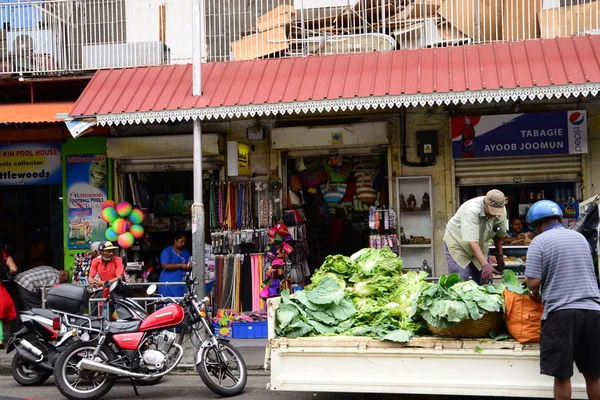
{"type": "Point", "coordinates": [543, 209]}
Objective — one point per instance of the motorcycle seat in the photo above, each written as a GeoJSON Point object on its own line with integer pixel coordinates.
{"type": "Point", "coordinates": [43, 312]}
{"type": "Point", "coordinates": [85, 322]}
{"type": "Point", "coordinates": [123, 326]}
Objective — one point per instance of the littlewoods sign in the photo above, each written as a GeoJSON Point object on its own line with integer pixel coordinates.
{"type": "Point", "coordinates": [30, 164]}
{"type": "Point", "coordinates": [520, 134]}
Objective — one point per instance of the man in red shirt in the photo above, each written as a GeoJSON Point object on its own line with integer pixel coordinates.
{"type": "Point", "coordinates": [108, 267]}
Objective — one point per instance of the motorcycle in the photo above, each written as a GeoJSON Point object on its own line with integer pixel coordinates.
{"type": "Point", "coordinates": [147, 349]}
{"type": "Point", "coordinates": [37, 344]}
{"type": "Point", "coordinates": [48, 332]}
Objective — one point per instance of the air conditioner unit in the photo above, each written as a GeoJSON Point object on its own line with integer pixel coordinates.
{"type": "Point", "coordinates": [22, 43]}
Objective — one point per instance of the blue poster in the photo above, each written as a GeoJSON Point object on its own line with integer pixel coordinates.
{"type": "Point", "coordinates": [532, 134]}
{"type": "Point", "coordinates": [87, 183]}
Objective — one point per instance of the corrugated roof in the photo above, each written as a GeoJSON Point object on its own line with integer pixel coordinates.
{"type": "Point", "coordinates": [27, 113]}
{"type": "Point", "coordinates": [243, 85]}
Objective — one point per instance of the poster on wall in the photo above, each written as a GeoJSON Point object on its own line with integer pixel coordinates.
{"type": "Point", "coordinates": [87, 183]}
{"type": "Point", "coordinates": [531, 134]}
{"type": "Point", "coordinates": [30, 164]}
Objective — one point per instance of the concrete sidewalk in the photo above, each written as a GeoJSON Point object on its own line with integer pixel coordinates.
{"type": "Point", "coordinates": [252, 350]}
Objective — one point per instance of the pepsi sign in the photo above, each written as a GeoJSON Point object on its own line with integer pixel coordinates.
{"type": "Point", "coordinates": [531, 134]}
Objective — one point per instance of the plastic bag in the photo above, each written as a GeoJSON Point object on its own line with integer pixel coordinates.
{"type": "Point", "coordinates": [523, 317]}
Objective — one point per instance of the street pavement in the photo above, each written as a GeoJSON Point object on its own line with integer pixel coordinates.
{"type": "Point", "coordinates": [253, 352]}
{"type": "Point", "coordinates": [188, 387]}
{"type": "Point", "coordinates": [172, 387]}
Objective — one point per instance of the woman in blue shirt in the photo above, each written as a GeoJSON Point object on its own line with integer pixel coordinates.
{"type": "Point", "coordinates": [174, 261]}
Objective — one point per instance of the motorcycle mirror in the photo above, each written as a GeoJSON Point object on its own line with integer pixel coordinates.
{"type": "Point", "coordinates": [151, 290]}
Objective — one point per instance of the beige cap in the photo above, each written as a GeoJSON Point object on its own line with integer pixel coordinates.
{"type": "Point", "coordinates": [107, 246]}
{"type": "Point", "coordinates": [495, 200]}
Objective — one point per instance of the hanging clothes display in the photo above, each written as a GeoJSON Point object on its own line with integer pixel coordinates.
{"type": "Point", "coordinates": [239, 280]}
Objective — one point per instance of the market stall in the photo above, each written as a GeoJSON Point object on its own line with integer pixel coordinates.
{"type": "Point", "coordinates": [337, 185]}
{"type": "Point", "coordinates": [529, 157]}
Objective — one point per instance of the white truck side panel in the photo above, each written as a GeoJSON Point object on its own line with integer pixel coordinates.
{"type": "Point", "coordinates": [426, 365]}
{"type": "Point", "coordinates": [448, 367]}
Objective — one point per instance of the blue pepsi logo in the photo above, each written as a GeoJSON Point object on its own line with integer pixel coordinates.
{"type": "Point", "coordinates": [468, 144]}
{"type": "Point", "coordinates": [576, 118]}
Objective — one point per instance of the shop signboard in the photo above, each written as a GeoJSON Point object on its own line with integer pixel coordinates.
{"type": "Point", "coordinates": [531, 134]}
{"type": "Point", "coordinates": [87, 184]}
{"type": "Point", "coordinates": [30, 164]}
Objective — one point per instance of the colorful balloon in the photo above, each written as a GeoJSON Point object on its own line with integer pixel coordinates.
{"type": "Point", "coordinates": [136, 216]}
{"type": "Point", "coordinates": [109, 215]}
{"type": "Point", "coordinates": [120, 226]}
{"type": "Point", "coordinates": [111, 234]}
{"type": "Point", "coordinates": [124, 209]}
{"type": "Point", "coordinates": [125, 240]}
{"type": "Point", "coordinates": [108, 203]}
{"type": "Point", "coordinates": [137, 231]}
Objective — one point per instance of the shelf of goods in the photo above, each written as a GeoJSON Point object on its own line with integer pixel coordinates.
{"type": "Point", "coordinates": [515, 257]}
{"type": "Point", "coordinates": [415, 221]}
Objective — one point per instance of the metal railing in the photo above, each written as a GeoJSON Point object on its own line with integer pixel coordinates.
{"type": "Point", "coordinates": [65, 36]}
{"type": "Point", "coordinates": [242, 29]}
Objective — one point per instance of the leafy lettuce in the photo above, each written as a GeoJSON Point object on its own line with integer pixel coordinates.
{"type": "Point", "coordinates": [363, 295]}
{"type": "Point", "coordinates": [451, 301]}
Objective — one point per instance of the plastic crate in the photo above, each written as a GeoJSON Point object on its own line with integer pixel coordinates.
{"type": "Point", "coordinates": [250, 330]}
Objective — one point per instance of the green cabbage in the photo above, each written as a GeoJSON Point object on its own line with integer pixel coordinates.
{"type": "Point", "coordinates": [363, 295]}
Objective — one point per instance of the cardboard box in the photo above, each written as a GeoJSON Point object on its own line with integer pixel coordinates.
{"type": "Point", "coordinates": [279, 16]}
{"type": "Point", "coordinates": [519, 19]}
{"type": "Point", "coordinates": [568, 21]}
{"type": "Point", "coordinates": [480, 20]}
{"type": "Point", "coordinates": [260, 44]}
{"type": "Point", "coordinates": [425, 8]}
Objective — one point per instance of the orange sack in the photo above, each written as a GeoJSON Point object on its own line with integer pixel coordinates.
{"type": "Point", "coordinates": [523, 317]}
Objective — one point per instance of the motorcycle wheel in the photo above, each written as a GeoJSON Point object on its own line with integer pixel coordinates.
{"type": "Point", "coordinates": [25, 375]}
{"type": "Point", "coordinates": [225, 378]}
{"type": "Point", "coordinates": [77, 384]}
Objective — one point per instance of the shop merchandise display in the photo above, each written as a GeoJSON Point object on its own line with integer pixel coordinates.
{"type": "Point", "coordinates": [238, 280]}
{"type": "Point", "coordinates": [383, 224]}
{"type": "Point", "coordinates": [368, 294]}
{"type": "Point", "coordinates": [238, 205]}
{"type": "Point", "coordinates": [81, 268]}
{"type": "Point", "coordinates": [332, 196]}
{"type": "Point", "coordinates": [231, 242]}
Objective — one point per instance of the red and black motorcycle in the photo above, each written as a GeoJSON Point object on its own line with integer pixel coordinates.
{"type": "Point", "coordinates": [147, 349]}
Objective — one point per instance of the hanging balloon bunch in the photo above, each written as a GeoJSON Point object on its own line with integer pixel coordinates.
{"type": "Point", "coordinates": [125, 222]}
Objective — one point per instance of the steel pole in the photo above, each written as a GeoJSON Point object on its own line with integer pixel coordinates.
{"type": "Point", "coordinates": [198, 238]}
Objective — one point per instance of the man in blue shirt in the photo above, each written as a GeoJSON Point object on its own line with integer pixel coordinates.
{"type": "Point", "coordinates": [559, 263]}
{"type": "Point", "coordinates": [174, 261]}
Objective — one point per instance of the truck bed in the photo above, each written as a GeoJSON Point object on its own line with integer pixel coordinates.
{"type": "Point", "coordinates": [424, 365]}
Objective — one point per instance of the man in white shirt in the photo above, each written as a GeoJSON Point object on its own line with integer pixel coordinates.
{"type": "Point", "coordinates": [466, 241]}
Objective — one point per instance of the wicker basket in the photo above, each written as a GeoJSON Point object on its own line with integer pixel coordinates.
{"type": "Point", "coordinates": [480, 328]}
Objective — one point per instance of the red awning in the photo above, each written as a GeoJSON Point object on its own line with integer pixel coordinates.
{"type": "Point", "coordinates": [516, 70]}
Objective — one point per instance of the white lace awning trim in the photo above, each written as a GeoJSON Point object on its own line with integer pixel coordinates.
{"type": "Point", "coordinates": [364, 103]}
